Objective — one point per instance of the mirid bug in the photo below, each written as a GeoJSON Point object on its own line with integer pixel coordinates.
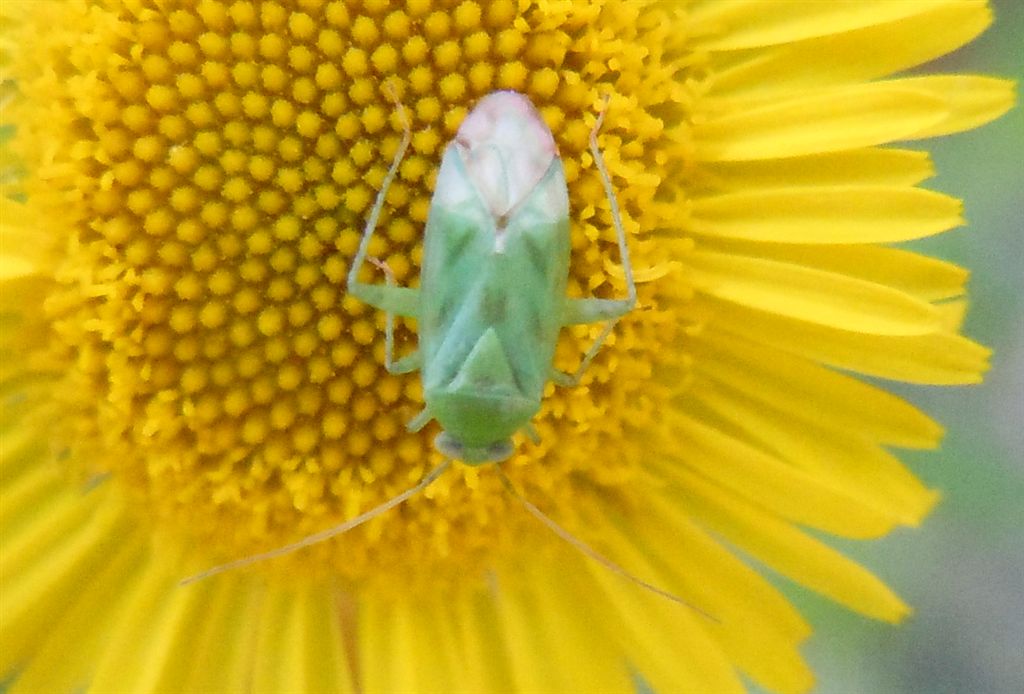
{"type": "Point", "coordinates": [491, 301]}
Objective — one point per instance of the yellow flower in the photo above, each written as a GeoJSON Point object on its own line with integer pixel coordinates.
{"type": "Point", "coordinates": [185, 380]}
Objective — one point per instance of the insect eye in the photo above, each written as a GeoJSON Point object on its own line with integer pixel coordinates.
{"type": "Point", "coordinates": [449, 446]}
{"type": "Point", "coordinates": [500, 451]}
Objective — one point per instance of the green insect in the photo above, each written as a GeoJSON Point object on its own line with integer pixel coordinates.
{"type": "Point", "coordinates": [491, 301]}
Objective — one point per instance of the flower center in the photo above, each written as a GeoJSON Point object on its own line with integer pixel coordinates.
{"type": "Point", "coordinates": [219, 160]}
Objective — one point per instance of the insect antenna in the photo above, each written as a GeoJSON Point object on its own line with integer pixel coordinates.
{"type": "Point", "coordinates": [589, 551]}
{"type": "Point", "coordinates": [329, 532]}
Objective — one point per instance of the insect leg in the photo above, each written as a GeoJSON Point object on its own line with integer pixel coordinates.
{"type": "Point", "coordinates": [591, 310]}
{"type": "Point", "coordinates": [401, 300]}
{"type": "Point", "coordinates": [613, 202]}
{"type": "Point", "coordinates": [570, 380]}
{"type": "Point", "coordinates": [408, 363]}
{"type": "Point", "coordinates": [531, 433]}
{"type": "Point", "coordinates": [419, 421]}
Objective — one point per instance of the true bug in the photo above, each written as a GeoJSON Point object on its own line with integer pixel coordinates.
{"type": "Point", "coordinates": [491, 301]}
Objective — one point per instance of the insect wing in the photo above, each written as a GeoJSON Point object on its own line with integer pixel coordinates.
{"type": "Point", "coordinates": [495, 259]}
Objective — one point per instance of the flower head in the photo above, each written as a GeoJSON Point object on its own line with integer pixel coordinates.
{"type": "Point", "coordinates": [186, 379]}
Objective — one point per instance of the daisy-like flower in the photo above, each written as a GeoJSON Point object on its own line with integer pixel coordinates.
{"type": "Point", "coordinates": [186, 381]}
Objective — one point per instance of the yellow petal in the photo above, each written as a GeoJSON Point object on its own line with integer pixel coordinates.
{"type": "Point", "coordinates": [25, 246]}
{"type": "Point", "coordinates": [26, 487]}
{"type": "Point", "coordinates": [67, 654]}
{"type": "Point", "coordinates": [843, 460]}
{"type": "Point", "coordinates": [970, 100]}
{"type": "Point", "coordinates": [920, 276]}
{"type": "Point", "coordinates": [566, 616]}
{"type": "Point", "coordinates": [666, 643]}
{"type": "Point", "coordinates": [953, 314]}
{"type": "Point", "coordinates": [299, 644]}
{"type": "Point", "coordinates": [824, 120]}
{"type": "Point", "coordinates": [936, 359]}
{"type": "Point", "coordinates": [788, 550]}
{"type": "Point", "coordinates": [37, 536]}
{"type": "Point", "coordinates": [820, 297]}
{"type": "Point", "coordinates": [393, 633]}
{"type": "Point", "coordinates": [532, 669]}
{"type": "Point", "coordinates": [848, 214]}
{"type": "Point", "coordinates": [874, 166]}
{"type": "Point", "coordinates": [760, 634]}
{"type": "Point", "coordinates": [222, 646]}
{"type": "Point", "coordinates": [486, 667]}
{"type": "Point", "coordinates": [166, 659]}
{"type": "Point", "coordinates": [812, 392]}
{"type": "Point", "coordinates": [27, 368]}
{"type": "Point", "coordinates": [13, 266]}
{"type": "Point", "coordinates": [769, 482]}
{"type": "Point", "coordinates": [438, 614]}
{"type": "Point", "coordinates": [44, 560]}
{"type": "Point", "coordinates": [752, 23]}
{"type": "Point", "coordinates": [322, 646]}
{"type": "Point", "coordinates": [276, 663]}
{"type": "Point", "coordinates": [135, 646]}
{"type": "Point", "coordinates": [23, 292]}
{"type": "Point", "coordinates": [378, 663]}
{"type": "Point", "coordinates": [862, 54]}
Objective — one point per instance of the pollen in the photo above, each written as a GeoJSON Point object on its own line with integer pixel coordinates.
{"type": "Point", "coordinates": [235, 149]}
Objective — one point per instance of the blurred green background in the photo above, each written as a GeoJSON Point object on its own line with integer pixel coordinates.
{"type": "Point", "coordinates": [963, 570]}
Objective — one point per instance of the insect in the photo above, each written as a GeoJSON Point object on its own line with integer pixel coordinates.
{"type": "Point", "coordinates": [491, 301]}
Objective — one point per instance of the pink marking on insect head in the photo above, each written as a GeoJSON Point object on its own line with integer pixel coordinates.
{"type": "Point", "coordinates": [507, 148]}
